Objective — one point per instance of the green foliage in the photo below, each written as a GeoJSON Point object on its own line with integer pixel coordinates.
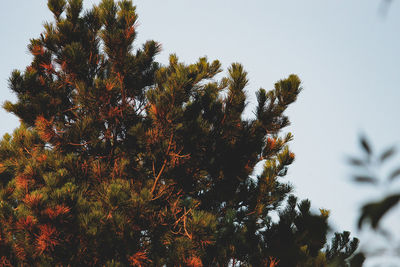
{"type": "Point", "coordinates": [341, 249]}
{"type": "Point", "coordinates": [123, 161]}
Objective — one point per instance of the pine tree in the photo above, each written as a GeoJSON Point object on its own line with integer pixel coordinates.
{"type": "Point", "coordinates": [121, 161]}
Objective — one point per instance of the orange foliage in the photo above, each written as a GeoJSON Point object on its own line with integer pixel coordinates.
{"type": "Point", "coordinates": [110, 85]}
{"type": "Point", "coordinates": [272, 262]}
{"type": "Point", "coordinates": [160, 114]}
{"type": "Point", "coordinates": [20, 252]}
{"type": "Point", "coordinates": [21, 182]}
{"type": "Point", "coordinates": [84, 167]}
{"type": "Point", "coordinates": [97, 170]}
{"type": "Point", "coordinates": [152, 135]}
{"type": "Point", "coordinates": [271, 143]}
{"type": "Point", "coordinates": [47, 239]}
{"type": "Point", "coordinates": [26, 223]}
{"type": "Point", "coordinates": [32, 200]}
{"type": "Point", "coordinates": [44, 128]}
{"type": "Point", "coordinates": [41, 80]}
{"type": "Point", "coordinates": [194, 262]}
{"type": "Point", "coordinates": [48, 67]}
{"type": "Point", "coordinates": [153, 110]}
{"type": "Point", "coordinates": [2, 167]}
{"type": "Point", "coordinates": [114, 112]}
{"type": "Point", "coordinates": [139, 259]}
{"type": "Point", "coordinates": [37, 50]}
{"type": "Point", "coordinates": [205, 243]}
{"type": "Point", "coordinates": [42, 158]}
{"type": "Point", "coordinates": [129, 32]}
{"type": "Point", "coordinates": [118, 170]}
{"type": "Point", "coordinates": [57, 211]}
{"type": "Point", "coordinates": [4, 262]}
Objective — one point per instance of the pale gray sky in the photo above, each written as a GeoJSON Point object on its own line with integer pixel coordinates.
{"type": "Point", "coordinates": [346, 53]}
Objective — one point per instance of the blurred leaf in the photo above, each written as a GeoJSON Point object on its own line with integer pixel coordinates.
{"type": "Point", "coordinates": [387, 154]}
{"type": "Point", "coordinates": [365, 145]}
{"type": "Point", "coordinates": [365, 179]}
{"type": "Point", "coordinates": [385, 233]}
{"type": "Point", "coordinates": [384, 7]}
{"type": "Point", "coordinates": [376, 210]}
{"type": "Point", "coordinates": [356, 162]}
{"type": "Point", "coordinates": [394, 174]}
{"type": "Point", "coordinates": [357, 260]}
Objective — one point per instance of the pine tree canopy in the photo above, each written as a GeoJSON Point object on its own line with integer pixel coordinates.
{"type": "Point", "coordinates": [122, 161]}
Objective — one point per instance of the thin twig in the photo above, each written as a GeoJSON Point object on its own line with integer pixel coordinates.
{"type": "Point", "coordinates": [163, 166]}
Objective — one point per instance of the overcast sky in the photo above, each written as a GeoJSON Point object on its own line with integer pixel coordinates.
{"type": "Point", "coordinates": [345, 51]}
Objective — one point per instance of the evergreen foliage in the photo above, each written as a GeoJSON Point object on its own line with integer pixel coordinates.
{"type": "Point", "coordinates": [122, 161]}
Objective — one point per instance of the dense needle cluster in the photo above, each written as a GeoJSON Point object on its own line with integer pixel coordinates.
{"type": "Point", "coordinates": [121, 161]}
